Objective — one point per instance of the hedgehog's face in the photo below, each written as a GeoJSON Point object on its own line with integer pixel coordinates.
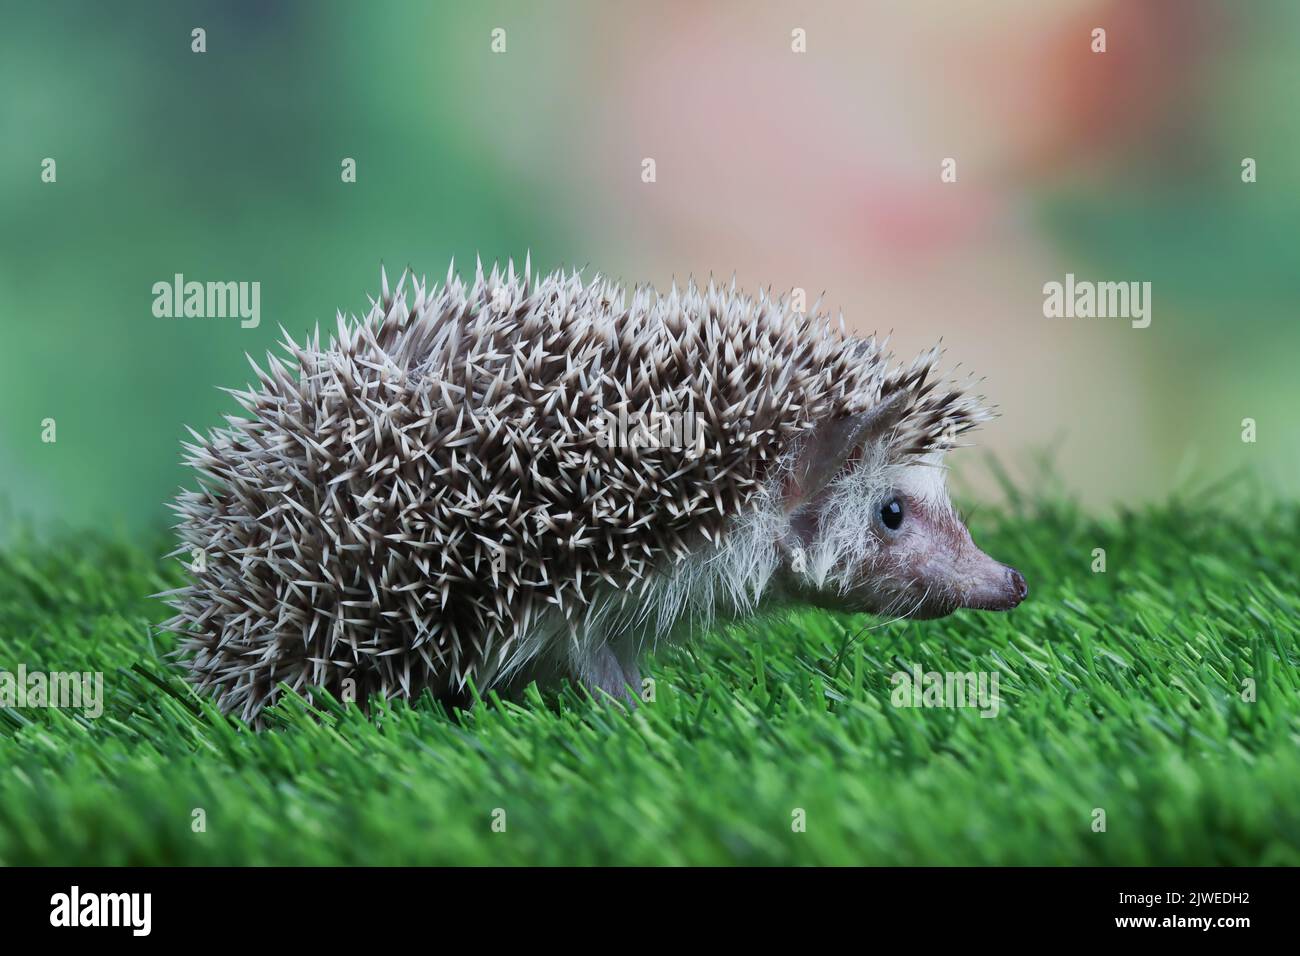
{"type": "Point", "coordinates": [921, 563]}
{"type": "Point", "coordinates": [884, 539]}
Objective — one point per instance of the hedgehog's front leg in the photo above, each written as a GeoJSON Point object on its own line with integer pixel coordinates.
{"type": "Point", "coordinates": [602, 671]}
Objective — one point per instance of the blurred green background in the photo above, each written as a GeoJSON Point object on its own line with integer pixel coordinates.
{"type": "Point", "coordinates": [818, 170]}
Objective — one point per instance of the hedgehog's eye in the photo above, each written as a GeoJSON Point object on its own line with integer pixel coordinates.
{"type": "Point", "coordinates": [891, 513]}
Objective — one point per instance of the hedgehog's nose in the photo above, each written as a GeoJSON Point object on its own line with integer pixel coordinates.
{"type": "Point", "coordinates": [1019, 589]}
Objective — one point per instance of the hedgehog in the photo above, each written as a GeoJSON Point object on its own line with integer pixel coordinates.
{"type": "Point", "coordinates": [533, 479]}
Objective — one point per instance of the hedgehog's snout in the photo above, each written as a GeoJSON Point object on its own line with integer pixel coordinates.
{"type": "Point", "coordinates": [996, 587]}
{"type": "Point", "coordinates": [1012, 591]}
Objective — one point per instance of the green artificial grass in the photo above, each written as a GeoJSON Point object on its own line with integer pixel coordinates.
{"type": "Point", "coordinates": [1120, 691]}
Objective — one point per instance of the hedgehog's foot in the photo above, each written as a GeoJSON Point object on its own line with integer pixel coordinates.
{"type": "Point", "coordinates": [604, 674]}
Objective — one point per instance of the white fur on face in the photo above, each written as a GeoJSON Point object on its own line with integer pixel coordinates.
{"type": "Point", "coordinates": [844, 541]}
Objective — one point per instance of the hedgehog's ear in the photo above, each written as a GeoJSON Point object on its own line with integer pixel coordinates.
{"type": "Point", "coordinates": [829, 445]}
